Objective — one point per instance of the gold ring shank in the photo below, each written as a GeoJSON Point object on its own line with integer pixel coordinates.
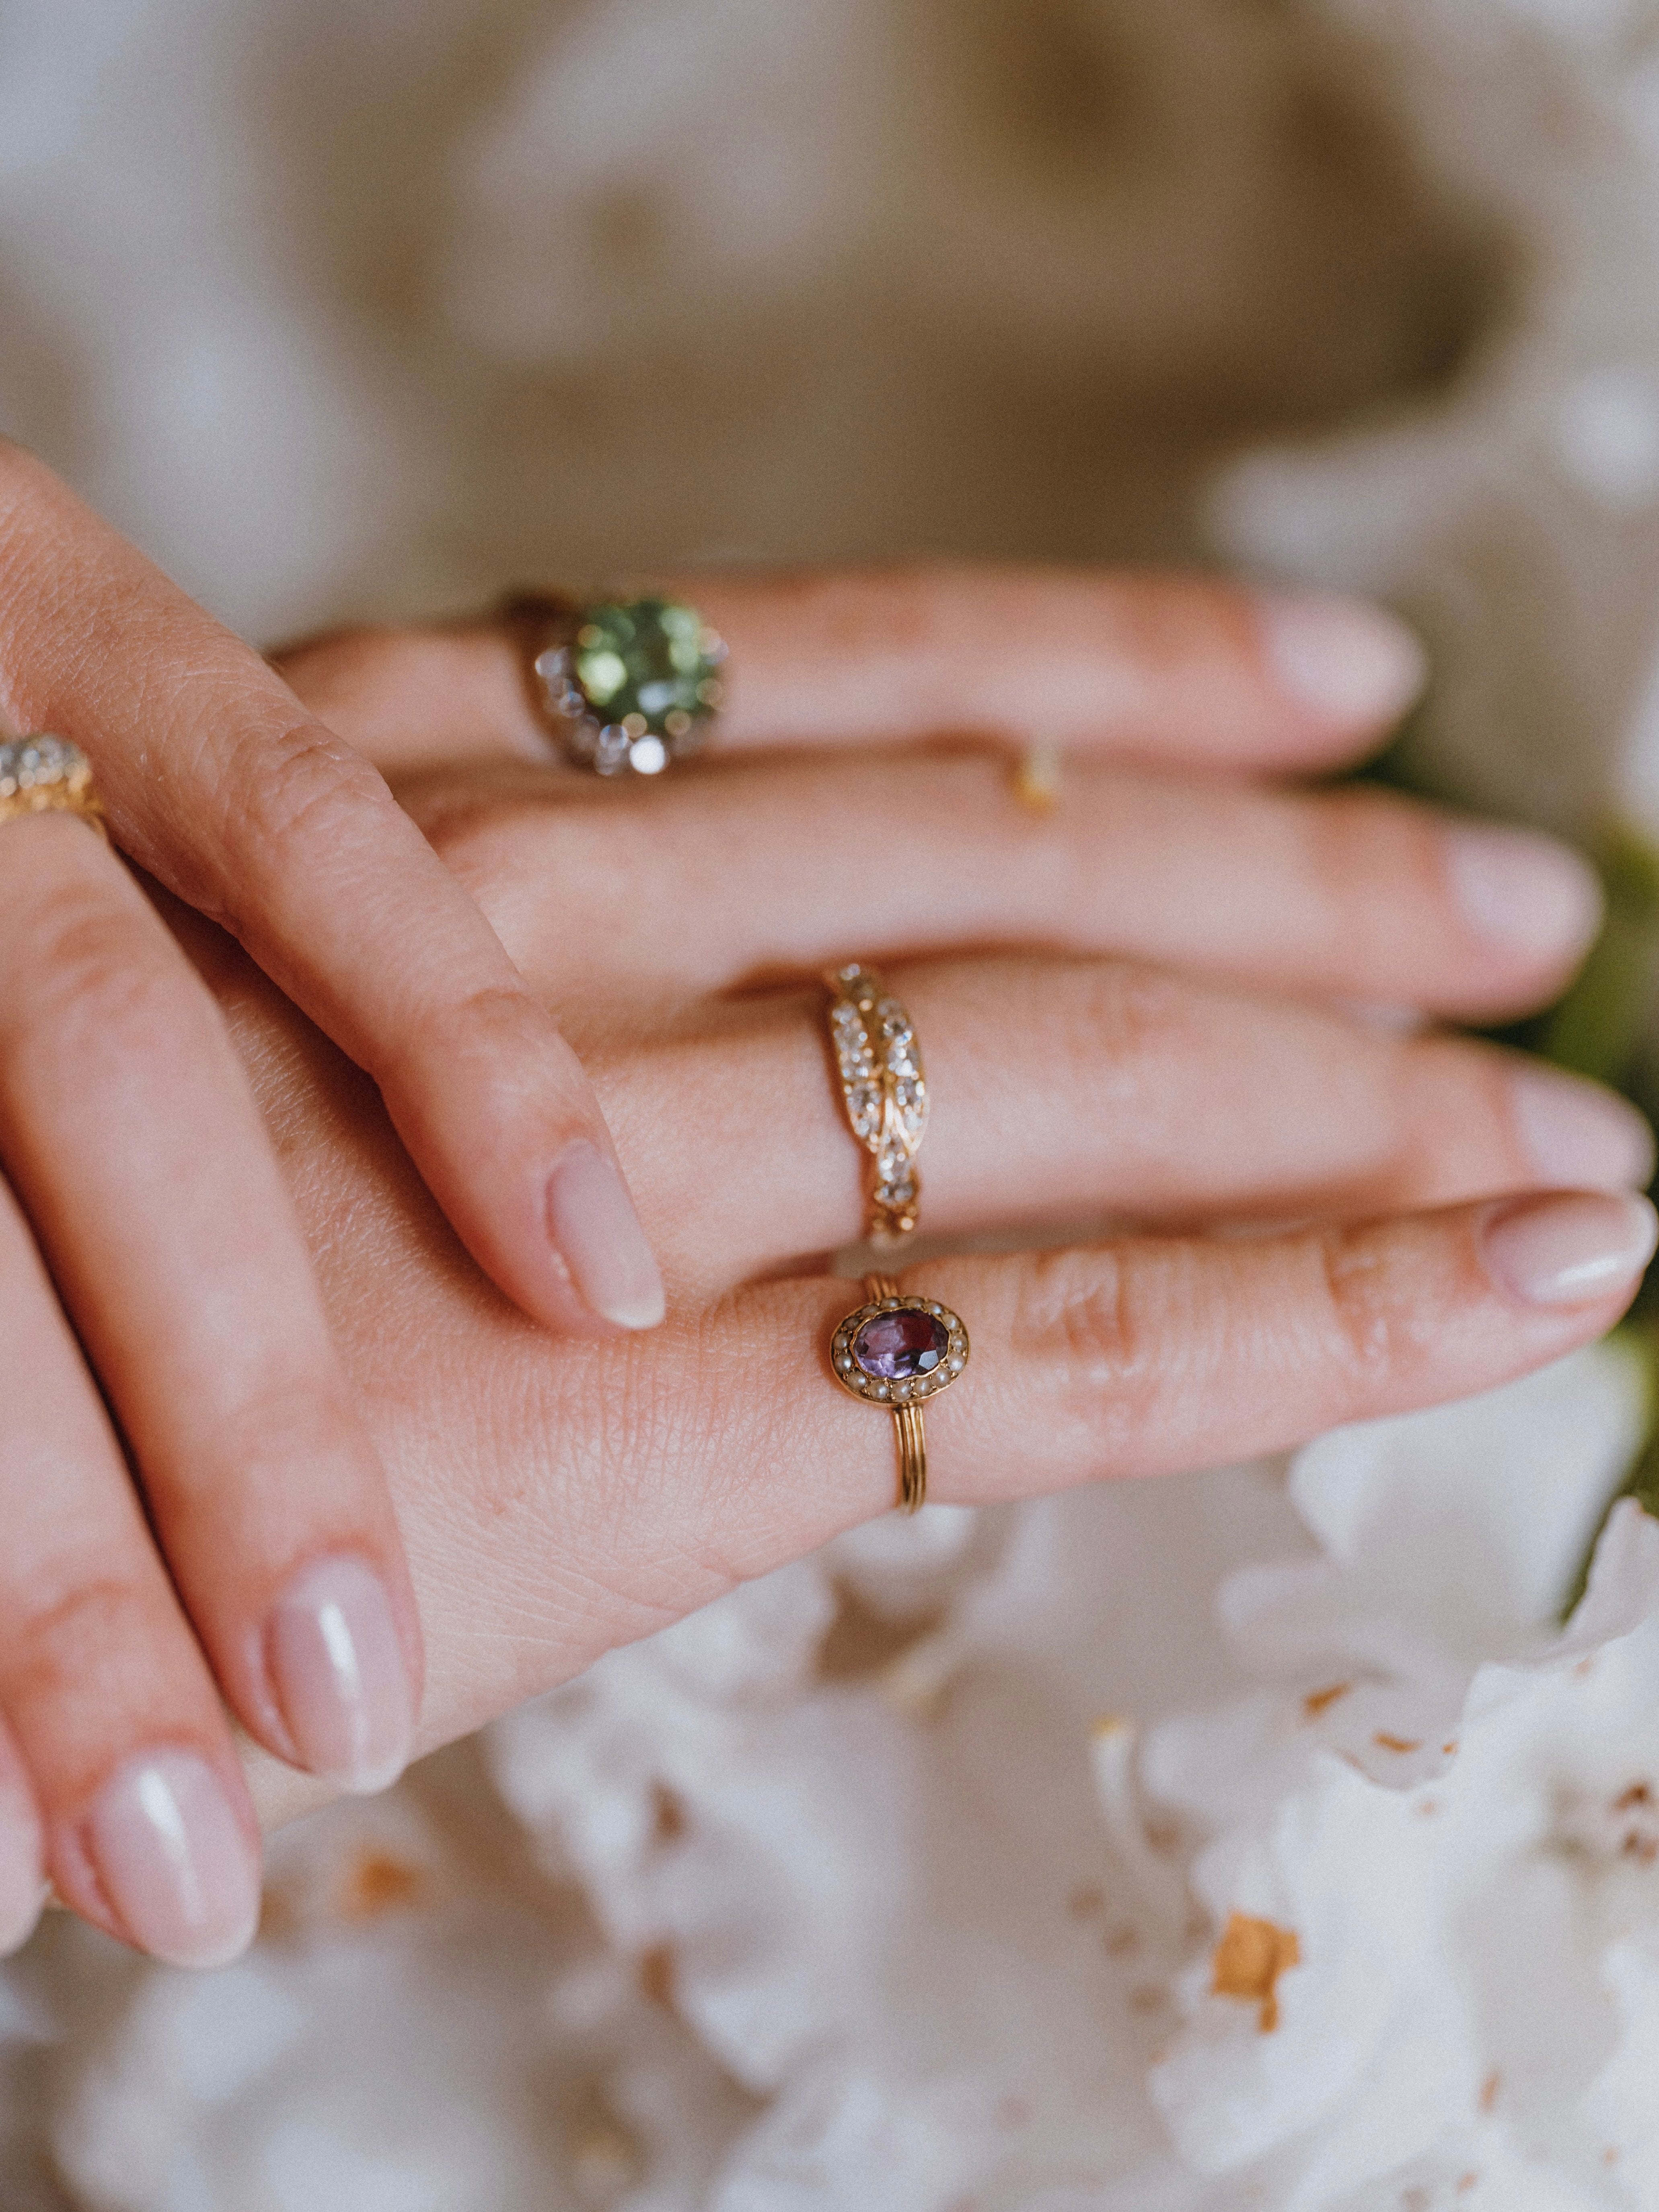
{"type": "Point", "coordinates": [44, 775]}
{"type": "Point", "coordinates": [912, 1457]}
{"type": "Point", "coordinates": [908, 1431]}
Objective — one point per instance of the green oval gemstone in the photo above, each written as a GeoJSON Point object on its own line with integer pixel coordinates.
{"type": "Point", "coordinates": [652, 658]}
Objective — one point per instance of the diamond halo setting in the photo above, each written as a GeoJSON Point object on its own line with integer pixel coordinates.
{"type": "Point", "coordinates": [628, 685]}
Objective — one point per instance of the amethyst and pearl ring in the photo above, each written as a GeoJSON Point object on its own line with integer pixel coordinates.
{"type": "Point", "coordinates": [897, 1348]}
{"type": "Point", "coordinates": [895, 1352]}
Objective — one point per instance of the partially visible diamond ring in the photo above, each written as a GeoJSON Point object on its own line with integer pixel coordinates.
{"type": "Point", "coordinates": [44, 775]}
{"type": "Point", "coordinates": [885, 1091]}
{"type": "Point", "coordinates": [622, 685]}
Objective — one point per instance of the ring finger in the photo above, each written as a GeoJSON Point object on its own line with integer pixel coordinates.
{"type": "Point", "coordinates": [1066, 1089]}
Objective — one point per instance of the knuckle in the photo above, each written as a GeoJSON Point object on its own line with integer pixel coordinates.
{"type": "Point", "coordinates": [69, 1626]}
{"type": "Point", "coordinates": [1158, 621]}
{"type": "Point", "coordinates": [94, 978]}
{"type": "Point", "coordinates": [505, 855]}
{"type": "Point", "coordinates": [278, 794]}
{"type": "Point", "coordinates": [1364, 1322]}
{"type": "Point", "coordinates": [1453, 1115]}
{"type": "Point", "coordinates": [267, 1432]}
{"type": "Point", "coordinates": [891, 613]}
{"type": "Point", "coordinates": [483, 836]}
{"type": "Point", "coordinates": [923, 592]}
{"type": "Point", "coordinates": [1374, 858]}
{"type": "Point", "coordinates": [1100, 1319]}
{"type": "Point", "coordinates": [1128, 1015]}
{"type": "Point", "coordinates": [495, 1019]}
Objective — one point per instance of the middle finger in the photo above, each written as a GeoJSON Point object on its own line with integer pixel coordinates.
{"type": "Point", "coordinates": [708, 878]}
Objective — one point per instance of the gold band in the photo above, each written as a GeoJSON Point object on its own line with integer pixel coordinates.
{"type": "Point", "coordinates": [894, 1352]}
{"type": "Point", "coordinates": [44, 774]}
{"type": "Point", "coordinates": [908, 1434]}
{"type": "Point", "coordinates": [883, 1090]}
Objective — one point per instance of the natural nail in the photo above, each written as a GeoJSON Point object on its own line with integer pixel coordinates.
{"type": "Point", "coordinates": [341, 1678]}
{"type": "Point", "coordinates": [1578, 1135]}
{"type": "Point", "coordinates": [22, 1869]}
{"type": "Point", "coordinates": [1528, 893]}
{"type": "Point", "coordinates": [174, 1860]}
{"type": "Point", "coordinates": [591, 1218]}
{"type": "Point", "coordinates": [1345, 661]}
{"type": "Point", "coordinates": [1569, 1249]}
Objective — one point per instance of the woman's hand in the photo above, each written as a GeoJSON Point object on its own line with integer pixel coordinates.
{"type": "Point", "coordinates": [1127, 1012]}
{"type": "Point", "coordinates": [160, 1306]}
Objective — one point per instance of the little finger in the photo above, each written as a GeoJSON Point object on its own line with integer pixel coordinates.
{"type": "Point", "coordinates": [1156, 1356]}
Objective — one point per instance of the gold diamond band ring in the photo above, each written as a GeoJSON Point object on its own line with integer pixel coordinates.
{"type": "Point", "coordinates": [895, 1352]}
{"type": "Point", "coordinates": [44, 775]}
{"type": "Point", "coordinates": [885, 1092]}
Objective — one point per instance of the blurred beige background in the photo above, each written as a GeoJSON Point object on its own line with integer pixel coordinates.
{"type": "Point", "coordinates": [354, 306]}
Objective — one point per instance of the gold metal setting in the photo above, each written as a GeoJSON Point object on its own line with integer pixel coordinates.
{"type": "Point", "coordinates": [884, 1089]}
{"type": "Point", "coordinates": [902, 1396]}
{"type": "Point", "coordinates": [1037, 777]}
{"type": "Point", "coordinates": [44, 775]}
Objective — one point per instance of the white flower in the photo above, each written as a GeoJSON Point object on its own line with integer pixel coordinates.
{"type": "Point", "coordinates": [1454, 1904]}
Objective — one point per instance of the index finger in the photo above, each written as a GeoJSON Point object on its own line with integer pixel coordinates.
{"type": "Point", "coordinates": [1175, 668]}
{"type": "Point", "coordinates": [217, 781]}
{"type": "Point", "coordinates": [1137, 664]}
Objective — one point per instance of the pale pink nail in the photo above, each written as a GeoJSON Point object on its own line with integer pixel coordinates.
{"type": "Point", "coordinates": [174, 1860]}
{"type": "Point", "coordinates": [591, 1218]}
{"type": "Point", "coordinates": [1578, 1135]}
{"type": "Point", "coordinates": [1523, 891]}
{"type": "Point", "coordinates": [338, 1665]}
{"type": "Point", "coordinates": [1569, 1249]}
{"type": "Point", "coordinates": [1343, 660]}
{"type": "Point", "coordinates": [22, 1863]}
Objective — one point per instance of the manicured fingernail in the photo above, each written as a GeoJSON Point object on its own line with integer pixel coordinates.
{"type": "Point", "coordinates": [1569, 1247]}
{"type": "Point", "coordinates": [340, 1675]}
{"type": "Point", "coordinates": [22, 1867]}
{"type": "Point", "coordinates": [1580, 1136]}
{"type": "Point", "coordinates": [174, 1860]}
{"type": "Point", "coordinates": [1341, 658]}
{"type": "Point", "coordinates": [1523, 891]}
{"type": "Point", "coordinates": [592, 1220]}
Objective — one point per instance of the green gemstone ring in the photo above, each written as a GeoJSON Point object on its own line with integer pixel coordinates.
{"type": "Point", "coordinates": [624, 684]}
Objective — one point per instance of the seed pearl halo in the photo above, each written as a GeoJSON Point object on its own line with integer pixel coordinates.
{"type": "Point", "coordinates": [886, 1392]}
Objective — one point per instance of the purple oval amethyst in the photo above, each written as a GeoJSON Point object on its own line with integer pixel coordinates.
{"type": "Point", "coordinates": [892, 1347]}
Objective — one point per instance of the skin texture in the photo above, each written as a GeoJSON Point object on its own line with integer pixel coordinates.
{"type": "Point", "coordinates": [1133, 1012]}
{"type": "Point", "coordinates": [557, 1501]}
